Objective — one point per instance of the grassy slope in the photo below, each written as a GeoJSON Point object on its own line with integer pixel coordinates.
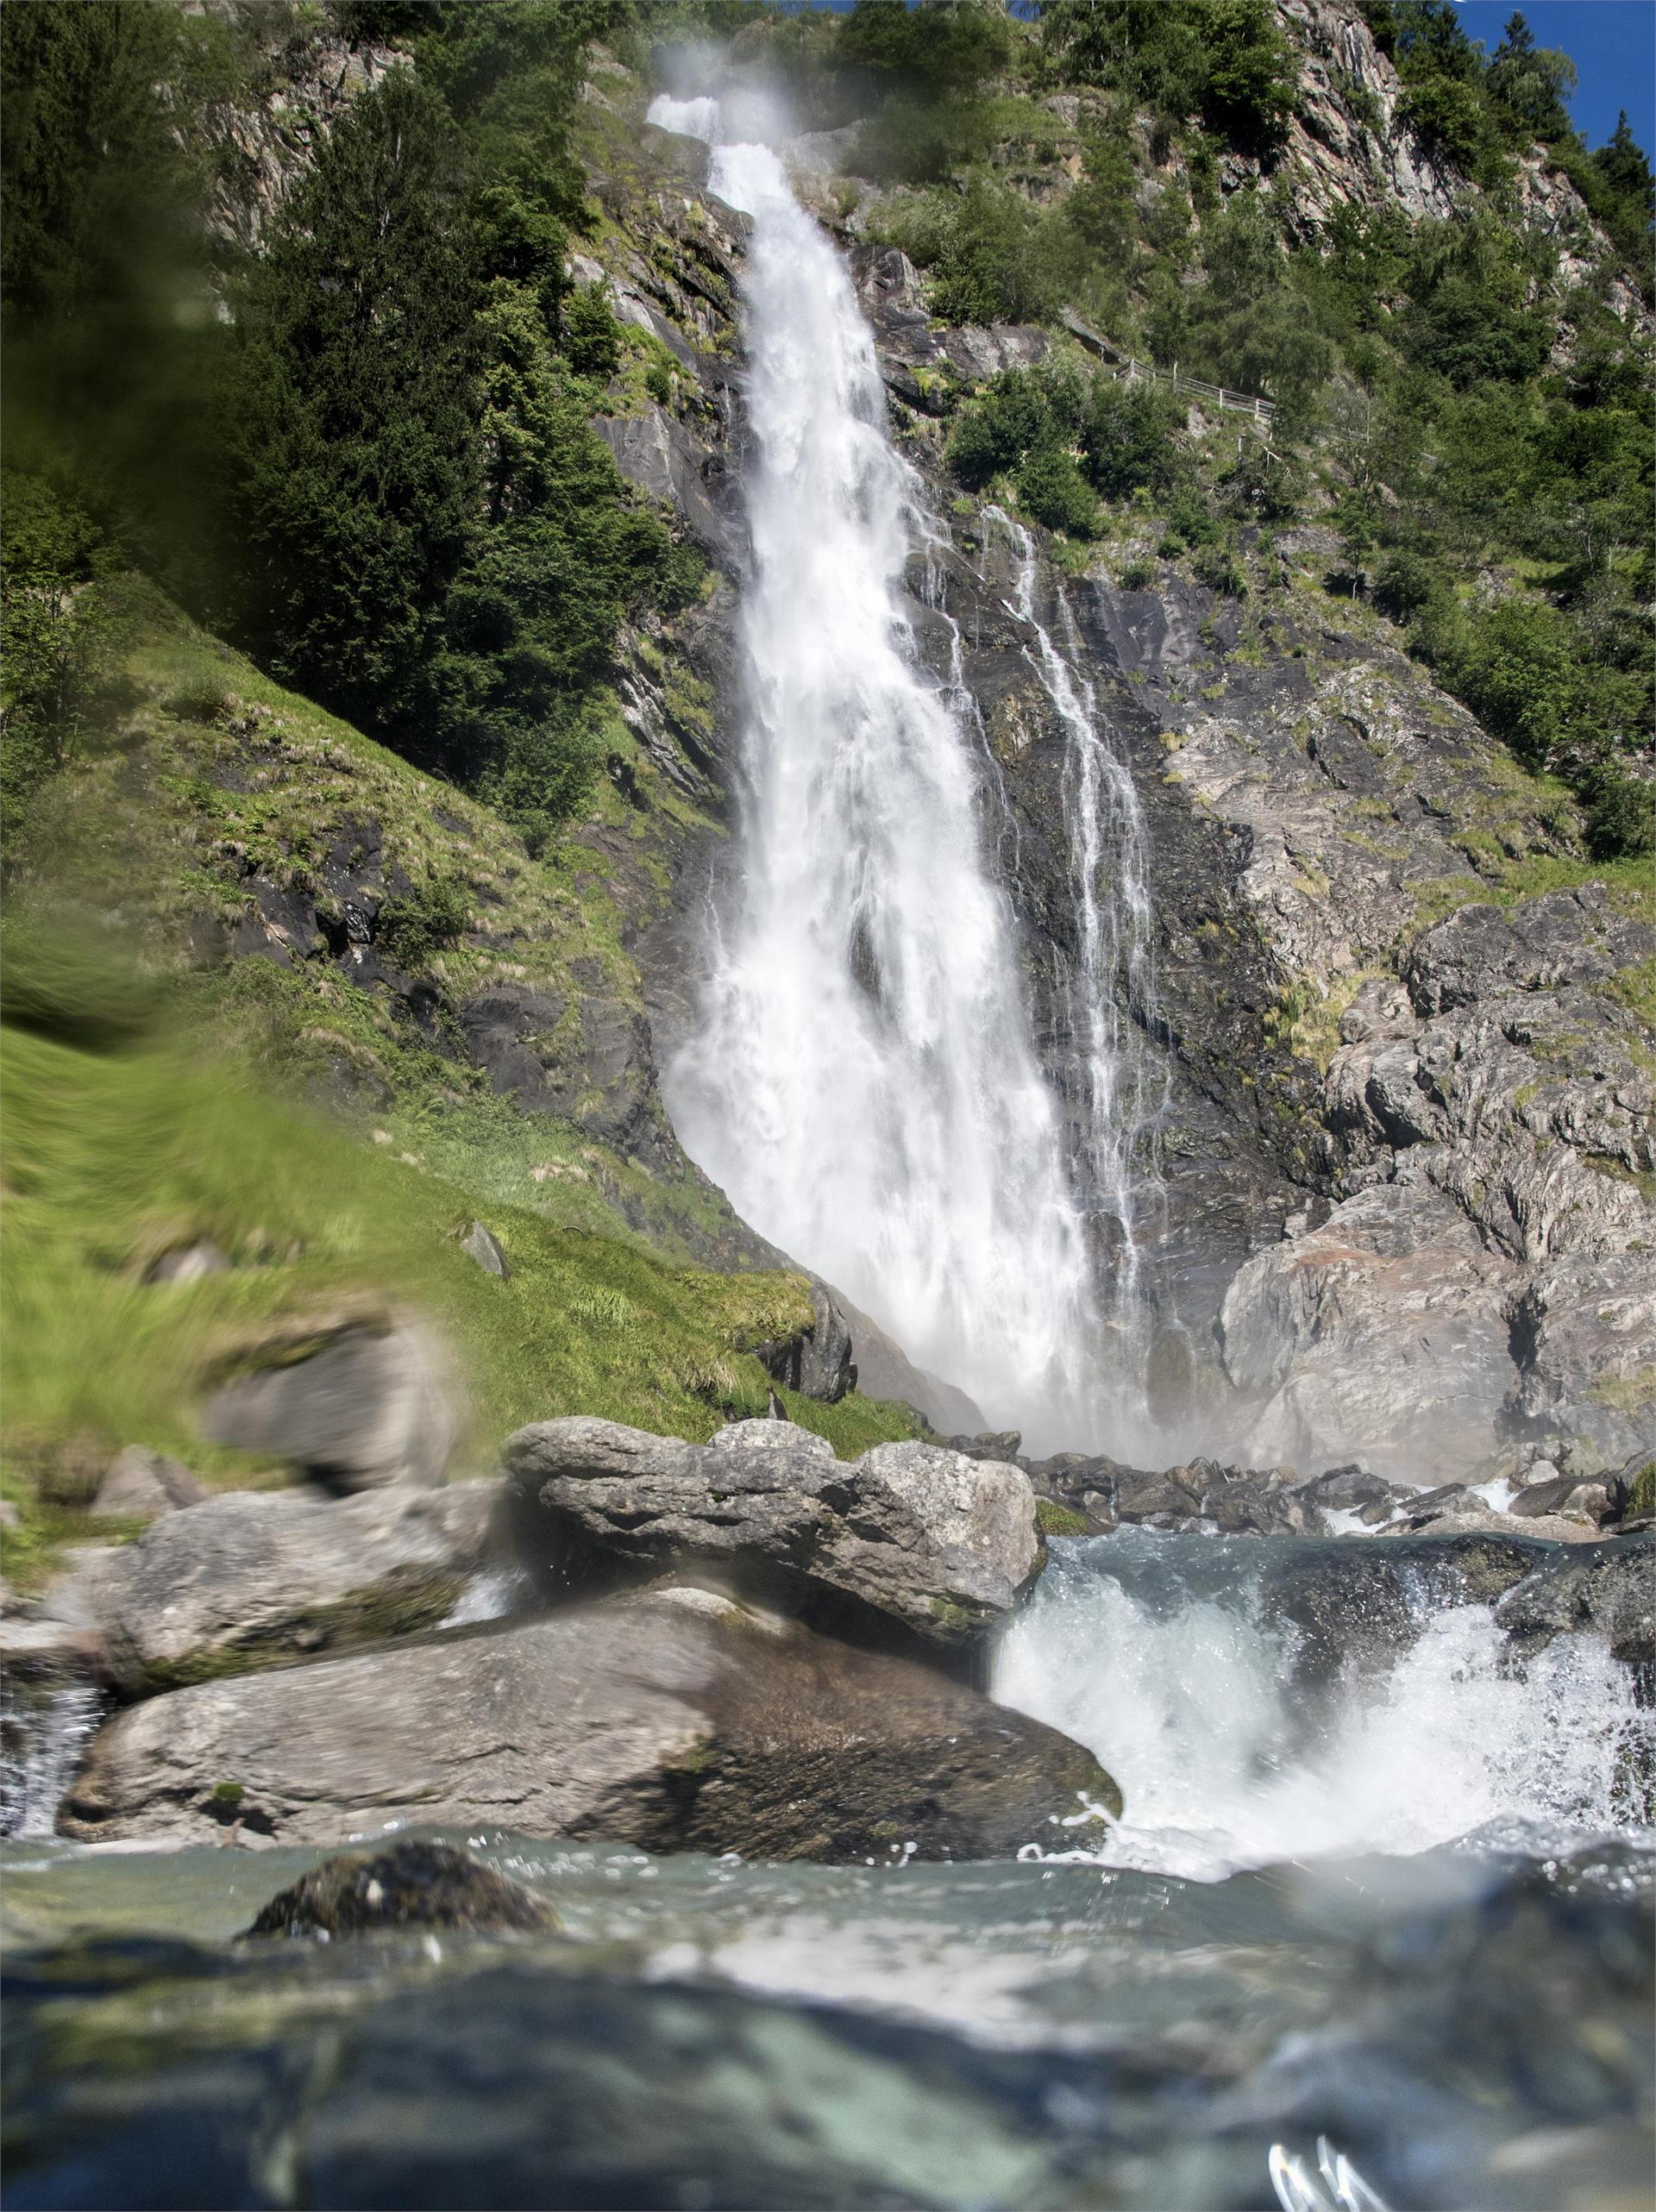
{"type": "Point", "coordinates": [145, 1109]}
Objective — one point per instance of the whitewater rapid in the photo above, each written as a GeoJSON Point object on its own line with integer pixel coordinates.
{"type": "Point", "coordinates": [1161, 1654]}
{"type": "Point", "coordinates": [862, 1081]}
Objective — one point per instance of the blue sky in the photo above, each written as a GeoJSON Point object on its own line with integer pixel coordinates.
{"type": "Point", "coordinates": [1612, 43]}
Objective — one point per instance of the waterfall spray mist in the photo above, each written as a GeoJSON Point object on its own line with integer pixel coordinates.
{"type": "Point", "coordinates": [863, 1083]}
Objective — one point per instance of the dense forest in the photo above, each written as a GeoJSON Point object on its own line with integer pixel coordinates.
{"type": "Point", "coordinates": [362, 451]}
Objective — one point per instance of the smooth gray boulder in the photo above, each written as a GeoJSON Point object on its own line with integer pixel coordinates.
{"type": "Point", "coordinates": [482, 1245]}
{"type": "Point", "coordinates": [256, 1578]}
{"type": "Point", "coordinates": [1607, 1589]}
{"type": "Point", "coordinates": [144, 1485]}
{"type": "Point", "coordinates": [928, 1542]}
{"type": "Point", "coordinates": [369, 1405]}
{"type": "Point", "coordinates": [672, 1719]}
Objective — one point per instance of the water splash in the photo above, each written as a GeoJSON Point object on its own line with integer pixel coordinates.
{"type": "Point", "coordinates": [1158, 1658]}
{"type": "Point", "coordinates": [864, 1082]}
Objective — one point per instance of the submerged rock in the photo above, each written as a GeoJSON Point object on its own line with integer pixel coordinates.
{"type": "Point", "coordinates": [1360, 1604]}
{"type": "Point", "coordinates": [409, 1885]}
{"type": "Point", "coordinates": [1606, 1589]}
{"type": "Point", "coordinates": [259, 1578]}
{"type": "Point", "coordinates": [911, 1538]}
{"type": "Point", "coordinates": [672, 1719]}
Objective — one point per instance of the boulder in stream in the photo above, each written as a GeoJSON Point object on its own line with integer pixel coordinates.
{"type": "Point", "coordinates": [915, 1542]}
{"type": "Point", "coordinates": [671, 1719]}
{"type": "Point", "coordinates": [1607, 1589]}
{"type": "Point", "coordinates": [411, 1885]}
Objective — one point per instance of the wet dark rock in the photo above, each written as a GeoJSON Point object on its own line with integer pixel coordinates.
{"type": "Point", "coordinates": [1607, 1589]}
{"type": "Point", "coordinates": [1354, 1490]}
{"type": "Point", "coordinates": [1201, 1498]}
{"type": "Point", "coordinates": [911, 1541]}
{"type": "Point", "coordinates": [411, 1884]}
{"type": "Point", "coordinates": [673, 1719]}
{"type": "Point", "coordinates": [369, 1405]}
{"type": "Point", "coordinates": [818, 1361]}
{"type": "Point", "coordinates": [1359, 1603]}
{"type": "Point", "coordinates": [258, 1578]}
{"type": "Point", "coordinates": [143, 1485]}
{"type": "Point", "coordinates": [1427, 1506]}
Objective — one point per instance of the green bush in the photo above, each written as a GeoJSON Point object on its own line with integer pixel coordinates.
{"type": "Point", "coordinates": [410, 930]}
{"type": "Point", "coordinates": [1052, 489]}
{"type": "Point", "coordinates": [991, 434]}
{"type": "Point", "coordinates": [589, 335]}
{"type": "Point", "coordinates": [1129, 437]}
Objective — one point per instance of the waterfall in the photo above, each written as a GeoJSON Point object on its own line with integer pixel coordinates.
{"type": "Point", "coordinates": [1158, 1653]}
{"type": "Point", "coordinates": [1117, 1108]}
{"type": "Point", "coordinates": [862, 1083]}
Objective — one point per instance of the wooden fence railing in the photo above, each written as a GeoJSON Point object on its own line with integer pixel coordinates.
{"type": "Point", "coordinates": [1129, 369]}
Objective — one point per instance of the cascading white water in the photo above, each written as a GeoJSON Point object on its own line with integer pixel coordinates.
{"type": "Point", "coordinates": [1153, 1651]}
{"type": "Point", "coordinates": [862, 1083]}
{"type": "Point", "coordinates": [1109, 870]}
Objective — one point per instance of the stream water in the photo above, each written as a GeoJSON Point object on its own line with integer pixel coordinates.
{"type": "Point", "coordinates": [1410, 1910]}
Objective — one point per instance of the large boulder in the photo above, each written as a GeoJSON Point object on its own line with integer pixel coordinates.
{"type": "Point", "coordinates": [929, 1544]}
{"type": "Point", "coordinates": [671, 1719]}
{"type": "Point", "coordinates": [817, 1361]}
{"type": "Point", "coordinates": [259, 1578]}
{"type": "Point", "coordinates": [1382, 1336]}
{"type": "Point", "coordinates": [368, 1403]}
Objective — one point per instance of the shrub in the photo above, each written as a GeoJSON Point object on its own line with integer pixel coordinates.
{"type": "Point", "coordinates": [1052, 489]}
{"type": "Point", "coordinates": [410, 930]}
{"type": "Point", "coordinates": [991, 434]}
{"type": "Point", "coordinates": [1621, 813]}
{"type": "Point", "coordinates": [1128, 437]}
{"type": "Point", "coordinates": [589, 334]}
{"type": "Point", "coordinates": [1216, 566]}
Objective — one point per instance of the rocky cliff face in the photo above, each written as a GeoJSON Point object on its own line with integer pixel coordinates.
{"type": "Point", "coordinates": [1403, 1169]}
{"type": "Point", "coordinates": [1408, 1135]}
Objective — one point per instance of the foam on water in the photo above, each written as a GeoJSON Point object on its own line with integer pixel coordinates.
{"type": "Point", "coordinates": [1189, 1696]}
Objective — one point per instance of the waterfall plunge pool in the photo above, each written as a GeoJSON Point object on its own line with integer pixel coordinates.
{"type": "Point", "coordinates": [1422, 1928]}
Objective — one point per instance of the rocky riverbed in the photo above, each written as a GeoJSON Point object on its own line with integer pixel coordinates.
{"type": "Point", "coordinates": [1087, 1803]}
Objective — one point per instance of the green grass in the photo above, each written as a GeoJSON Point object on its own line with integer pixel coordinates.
{"type": "Point", "coordinates": [115, 1153]}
